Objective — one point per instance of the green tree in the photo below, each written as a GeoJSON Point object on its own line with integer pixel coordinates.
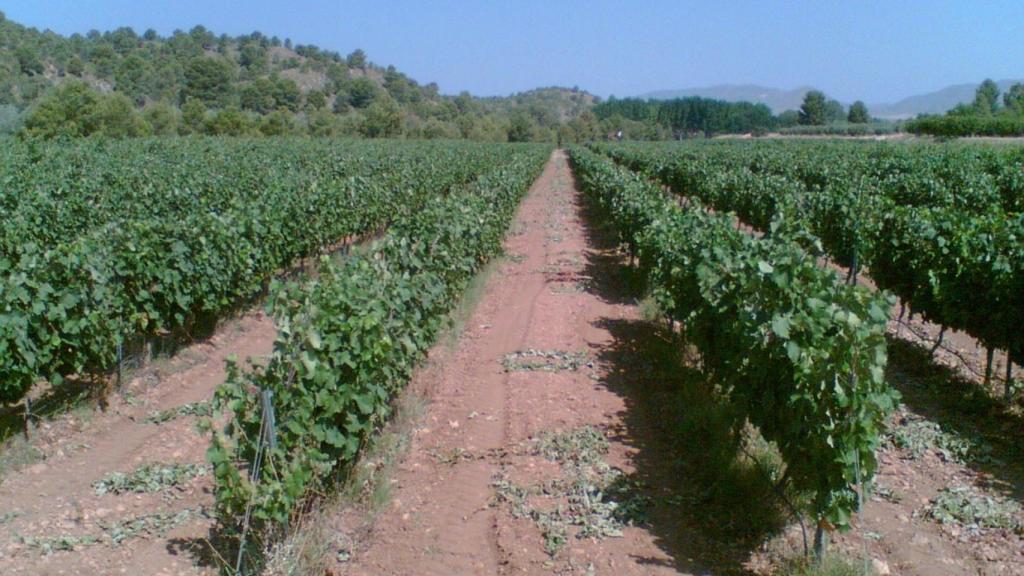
{"type": "Point", "coordinates": [583, 128]}
{"type": "Point", "coordinates": [10, 119]}
{"type": "Point", "coordinates": [132, 78]}
{"type": "Point", "coordinates": [858, 113]}
{"type": "Point", "coordinates": [962, 110]}
{"type": "Point", "coordinates": [193, 116]}
{"type": "Point", "coordinates": [488, 129]}
{"type": "Point", "coordinates": [357, 59]}
{"type": "Point", "coordinates": [202, 37]}
{"type": "Point", "coordinates": [67, 110]}
{"type": "Point", "coordinates": [75, 66]}
{"type": "Point", "coordinates": [166, 80]}
{"type": "Point", "coordinates": [383, 119]}
{"type": "Point", "coordinates": [264, 95]}
{"type": "Point", "coordinates": [398, 86]}
{"type": "Point", "coordinates": [520, 128]}
{"type": "Point", "coordinates": [277, 123]}
{"type": "Point", "coordinates": [258, 96]}
{"type": "Point", "coordinates": [465, 103]}
{"type": "Point", "coordinates": [287, 94]}
{"type": "Point", "coordinates": [834, 111]}
{"type": "Point", "coordinates": [434, 129]}
{"type": "Point", "coordinates": [341, 104]}
{"type": "Point", "coordinates": [28, 60]}
{"type": "Point", "coordinates": [115, 117]}
{"type": "Point", "coordinates": [25, 91]}
{"type": "Point", "coordinates": [123, 40]}
{"type": "Point", "coordinates": [321, 123]}
{"type": "Point", "coordinates": [228, 121]}
{"type": "Point", "coordinates": [207, 79]}
{"type": "Point", "coordinates": [1013, 99]}
{"type": "Point", "coordinates": [316, 100]}
{"type": "Point", "coordinates": [466, 124]}
{"type": "Point", "coordinates": [813, 110]}
{"type": "Point", "coordinates": [362, 92]}
{"type": "Point", "coordinates": [788, 119]}
{"type": "Point", "coordinates": [163, 119]}
{"type": "Point", "coordinates": [253, 57]}
{"type": "Point", "coordinates": [986, 98]}
{"type": "Point", "coordinates": [103, 58]}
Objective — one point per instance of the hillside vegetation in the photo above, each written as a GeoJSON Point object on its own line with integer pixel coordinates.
{"type": "Point", "coordinates": [123, 83]}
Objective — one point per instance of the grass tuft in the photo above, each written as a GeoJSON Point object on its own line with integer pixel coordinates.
{"type": "Point", "coordinates": [149, 478]}
{"type": "Point", "coordinates": [531, 360]}
{"type": "Point", "coordinates": [967, 507]}
{"type": "Point", "coordinates": [590, 498]}
{"type": "Point", "coordinates": [832, 565]}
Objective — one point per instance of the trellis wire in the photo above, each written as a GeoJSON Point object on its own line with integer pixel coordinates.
{"type": "Point", "coordinates": [267, 433]}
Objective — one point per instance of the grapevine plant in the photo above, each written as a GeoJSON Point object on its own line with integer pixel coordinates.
{"type": "Point", "coordinates": [105, 241]}
{"type": "Point", "coordinates": [940, 227]}
{"type": "Point", "coordinates": [799, 353]}
{"type": "Point", "coordinates": [348, 341]}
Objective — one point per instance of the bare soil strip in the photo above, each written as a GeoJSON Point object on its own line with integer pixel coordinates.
{"type": "Point", "coordinates": [54, 521]}
{"type": "Point", "coordinates": [532, 364]}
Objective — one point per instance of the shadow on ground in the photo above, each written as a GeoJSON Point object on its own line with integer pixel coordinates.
{"type": "Point", "coordinates": [219, 549]}
{"type": "Point", "coordinates": [712, 507]}
{"type": "Point", "coordinates": [92, 388]}
{"type": "Point", "coordinates": [962, 407]}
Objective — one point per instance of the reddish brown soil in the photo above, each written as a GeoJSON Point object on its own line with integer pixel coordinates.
{"type": "Point", "coordinates": [55, 497]}
{"type": "Point", "coordinates": [443, 518]}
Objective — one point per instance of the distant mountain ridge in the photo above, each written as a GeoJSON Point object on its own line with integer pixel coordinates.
{"type": "Point", "coordinates": [936, 102]}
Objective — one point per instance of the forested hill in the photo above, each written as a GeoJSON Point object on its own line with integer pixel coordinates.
{"type": "Point", "coordinates": [125, 82]}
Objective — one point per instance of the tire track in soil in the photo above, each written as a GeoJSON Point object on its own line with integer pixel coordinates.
{"type": "Point", "coordinates": [442, 518]}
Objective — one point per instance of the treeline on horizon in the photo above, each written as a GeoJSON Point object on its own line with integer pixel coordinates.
{"type": "Point", "coordinates": [660, 119]}
{"type": "Point", "coordinates": [696, 116]}
{"type": "Point", "coordinates": [990, 114]}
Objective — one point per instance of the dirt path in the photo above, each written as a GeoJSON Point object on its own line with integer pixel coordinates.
{"type": "Point", "coordinates": [454, 507]}
{"type": "Point", "coordinates": [50, 511]}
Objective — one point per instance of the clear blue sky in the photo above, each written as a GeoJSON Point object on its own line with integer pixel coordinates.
{"type": "Point", "coordinates": [873, 50]}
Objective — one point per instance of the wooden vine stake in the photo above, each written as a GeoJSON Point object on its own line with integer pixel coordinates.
{"type": "Point", "coordinates": [267, 400]}
{"type": "Point", "coordinates": [820, 542]}
{"type": "Point", "coordinates": [1008, 386]}
{"type": "Point", "coordinates": [938, 342]}
{"type": "Point", "coordinates": [28, 417]}
{"type": "Point", "coordinates": [989, 356]}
